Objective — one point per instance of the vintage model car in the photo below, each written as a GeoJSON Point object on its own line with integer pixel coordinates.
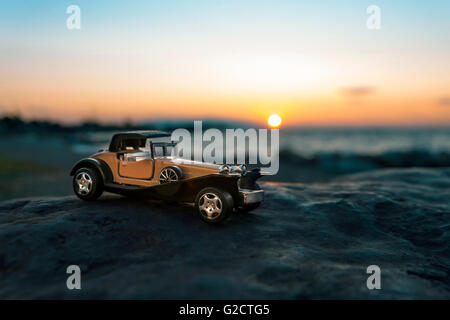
{"type": "Point", "coordinates": [140, 164]}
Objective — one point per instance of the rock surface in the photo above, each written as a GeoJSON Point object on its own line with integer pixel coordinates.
{"type": "Point", "coordinates": [306, 241]}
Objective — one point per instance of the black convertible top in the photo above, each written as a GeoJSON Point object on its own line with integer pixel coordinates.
{"type": "Point", "coordinates": [138, 137]}
{"type": "Point", "coordinates": [144, 133]}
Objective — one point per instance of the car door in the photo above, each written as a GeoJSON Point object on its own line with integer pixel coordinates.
{"type": "Point", "coordinates": [136, 165]}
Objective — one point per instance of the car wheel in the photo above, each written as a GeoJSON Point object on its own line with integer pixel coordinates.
{"type": "Point", "coordinates": [87, 184]}
{"type": "Point", "coordinates": [213, 205]}
{"type": "Point", "coordinates": [170, 174]}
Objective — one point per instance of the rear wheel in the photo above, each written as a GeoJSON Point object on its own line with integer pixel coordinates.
{"type": "Point", "coordinates": [213, 205]}
{"type": "Point", "coordinates": [87, 184]}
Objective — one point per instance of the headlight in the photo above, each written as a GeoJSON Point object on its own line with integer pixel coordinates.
{"type": "Point", "coordinates": [224, 169]}
{"type": "Point", "coordinates": [235, 169]}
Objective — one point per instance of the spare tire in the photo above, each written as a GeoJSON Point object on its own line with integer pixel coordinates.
{"type": "Point", "coordinates": [170, 174]}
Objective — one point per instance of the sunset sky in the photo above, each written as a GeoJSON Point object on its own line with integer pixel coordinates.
{"type": "Point", "coordinates": [312, 62]}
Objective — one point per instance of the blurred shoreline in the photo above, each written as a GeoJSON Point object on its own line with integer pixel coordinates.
{"type": "Point", "coordinates": [36, 156]}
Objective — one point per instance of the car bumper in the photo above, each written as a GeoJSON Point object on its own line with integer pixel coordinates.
{"type": "Point", "coordinates": [251, 196]}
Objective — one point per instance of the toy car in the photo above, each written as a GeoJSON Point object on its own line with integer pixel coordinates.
{"type": "Point", "coordinates": [140, 164]}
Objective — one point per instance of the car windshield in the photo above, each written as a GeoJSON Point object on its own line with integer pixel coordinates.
{"type": "Point", "coordinates": [163, 150]}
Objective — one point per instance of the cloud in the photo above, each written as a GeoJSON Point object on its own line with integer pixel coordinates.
{"type": "Point", "coordinates": [444, 101]}
{"type": "Point", "coordinates": [357, 91]}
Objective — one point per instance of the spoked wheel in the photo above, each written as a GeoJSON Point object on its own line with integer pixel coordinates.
{"type": "Point", "coordinates": [169, 174]}
{"type": "Point", "coordinates": [87, 184]}
{"type": "Point", "coordinates": [213, 205]}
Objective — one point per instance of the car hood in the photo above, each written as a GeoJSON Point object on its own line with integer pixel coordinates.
{"type": "Point", "coordinates": [184, 162]}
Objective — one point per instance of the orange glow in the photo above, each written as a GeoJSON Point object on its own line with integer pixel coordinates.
{"type": "Point", "coordinates": [173, 68]}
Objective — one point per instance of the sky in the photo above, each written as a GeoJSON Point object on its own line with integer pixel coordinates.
{"type": "Point", "coordinates": [315, 63]}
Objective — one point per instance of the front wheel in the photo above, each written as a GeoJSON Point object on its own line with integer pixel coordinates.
{"type": "Point", "coordinates": [214, 205]}
{"type": "Point", "coordinates": [87, 184]}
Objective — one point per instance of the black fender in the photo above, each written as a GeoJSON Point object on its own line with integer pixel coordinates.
{"type": "Point", "coordinates": [248, 179]}
{"type": "Point", "coordinates": [187, 190]}
{"type": "Point", "coordinates": [182, 190]}
{"type": "Point", "coordinates": [96, 164]}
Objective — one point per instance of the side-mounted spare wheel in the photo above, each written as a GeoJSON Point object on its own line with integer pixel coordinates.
{"type": "Point", "coordinates": [87, 184]}
{"type": "Point", "coordinates": [214, 205]}
{"type": "Point", "coordinates": [170, 174]}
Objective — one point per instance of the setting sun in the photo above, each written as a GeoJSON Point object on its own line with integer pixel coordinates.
{"type": "Point", "coordinates": [274, 120]}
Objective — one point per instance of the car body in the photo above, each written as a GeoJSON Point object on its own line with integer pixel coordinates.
{"type": "Point", "coordinates": [139, 163]}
